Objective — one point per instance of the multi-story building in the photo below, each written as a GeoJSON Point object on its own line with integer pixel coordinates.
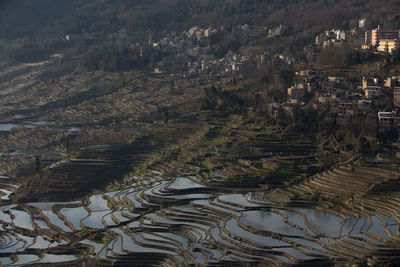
{"type": "Point", "coordinates": [372, 91]}
{"type": "Point", "coordinates": [364, 105]}
{"type": "Point", "coordinates": [378, 34]}
{"type": "Point", "coordinates": [391, 82]}
{"type": "Point", "coordinates": [386, 45]}
{"type": "Point", "coordinates": [388, 120]}
{"type": "Point", "coordinates": [296, 92]}
{"type": "Point", "coordinates": [345, 108]}
{"type": "Point", "coordinates": [366, 82]}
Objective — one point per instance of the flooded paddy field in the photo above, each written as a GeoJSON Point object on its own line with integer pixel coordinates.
{"type": "Point", "coordinates": [343, 216]}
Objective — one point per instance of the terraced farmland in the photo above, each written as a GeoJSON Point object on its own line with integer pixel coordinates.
{"type": "Point", "coordinates": [223, 190]}
{"type": "Point", "coordinates": [345, 216]}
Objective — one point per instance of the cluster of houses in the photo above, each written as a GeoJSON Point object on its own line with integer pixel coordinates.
{"type": "Point", "coordinates": [369, 99]}
{"type": "Point", "coordinates": [330, 38]}
{"type": "Point", "coordinates": [191, 49]}
{"type": "Point", "coordinates": [276, 31]}
{"type": "Point", "coordinates": [334, 37]}
{"type": "Point", "coordinates": [382, 40]}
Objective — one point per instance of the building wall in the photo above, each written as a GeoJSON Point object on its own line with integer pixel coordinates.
{"type": "Point", "coordinates": [371, 93]}
{"type": "Point", "coordinates": [367, 38]}
{"type": "Point", "coordinates": [387, 45]}
{"type": "Point", "coordinates": [295, 92]}
{"type": "Point", "coordinates": [368, 82]}
{"type": "Point", "coordinates": [389, 82]}
{"type": "Point", "coordinates": [388, 120]}
{"type": "Point", "coordinates": [396, 97]}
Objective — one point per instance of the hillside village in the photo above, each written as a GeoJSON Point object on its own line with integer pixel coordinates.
{"type": "Point", "coordinates": [217, 53]}
{"type": "Point", "coordinates": [375, 98]}
{"type": "Point", "coordinates": [372, 98]}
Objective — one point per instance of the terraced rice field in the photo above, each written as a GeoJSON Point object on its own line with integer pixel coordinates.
{"type": "Point", "coordinates": [343, 216]}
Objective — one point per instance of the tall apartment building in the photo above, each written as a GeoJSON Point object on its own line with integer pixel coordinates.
{"type": "Point", "coordinates": [378, 34]}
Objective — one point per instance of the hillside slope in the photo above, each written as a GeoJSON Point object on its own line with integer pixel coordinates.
{"type": "Point", "coordinates": [27, 18]}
